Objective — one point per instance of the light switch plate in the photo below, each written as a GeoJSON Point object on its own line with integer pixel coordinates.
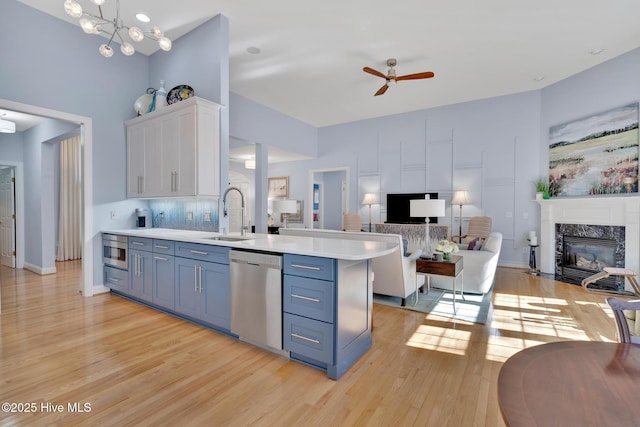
{"type": "Point", "coordinates": [207, 216]}
{"type": "Point", "coordinates": [189, 216]}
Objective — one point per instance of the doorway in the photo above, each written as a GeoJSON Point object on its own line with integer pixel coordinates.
{"type": "Point", "coordinates": [7, 217]}
{"type": "Point", "coordinates": [330, 187]}
{"type": "Point", "coordinates": [86, 132]}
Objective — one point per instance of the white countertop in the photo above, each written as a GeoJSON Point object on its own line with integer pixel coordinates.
{"type": "Point", "coordinates": [314, 246]}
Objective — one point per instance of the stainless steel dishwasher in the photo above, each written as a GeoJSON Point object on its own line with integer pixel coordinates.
{"type": "Point", "coordinates": [256, 297]}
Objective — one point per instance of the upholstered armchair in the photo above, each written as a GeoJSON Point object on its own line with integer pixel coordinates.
{"type": "Point", "coordinates": [479, 227]}
{"type": "Point", "coordinates": [352, 222]}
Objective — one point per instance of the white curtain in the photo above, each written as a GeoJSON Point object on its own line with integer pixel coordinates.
{"type": "Point", "coordinates": [70, 215]}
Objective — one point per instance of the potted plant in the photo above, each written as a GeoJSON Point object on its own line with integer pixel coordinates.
{"type": "Point", "coordinates": [542, 189]}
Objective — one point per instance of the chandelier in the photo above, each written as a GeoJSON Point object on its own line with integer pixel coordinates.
{"type": "Point", "coordinates": [94, 24]}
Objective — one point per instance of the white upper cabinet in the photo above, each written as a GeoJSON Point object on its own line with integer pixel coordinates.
{"type": "Point", "coordinates": [175, 151]}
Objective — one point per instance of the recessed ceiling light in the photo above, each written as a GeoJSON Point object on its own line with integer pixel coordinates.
{"type": "Point", "coordinates": [596, 51]}
{"type": "Point", "coordinates": [539, 78]}
{"type": "Point", "coordinates": [253, 50]}
{"type": "Point", "coordinates": [142, 17]}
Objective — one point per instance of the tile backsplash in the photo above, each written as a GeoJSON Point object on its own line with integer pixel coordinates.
{"type": "Point", "coordinates": [185, 214]}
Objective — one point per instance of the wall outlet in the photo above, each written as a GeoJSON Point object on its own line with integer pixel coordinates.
{"type": "Point", "coordinates": [189, 216]}
{"type": "Point", "coordinates": [113, 215]}
{"type": "Point", "coordinates": [207, 216]}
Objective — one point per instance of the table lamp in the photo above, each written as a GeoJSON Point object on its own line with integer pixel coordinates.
{"type": "Point", "coordinates": [370, 199]}
{"type": "Point", "coordinates": [426, 208]}
{"type": "Point", "coordinates": [285, 207]}
{"type": "Point", "coordinates": [460, 197]}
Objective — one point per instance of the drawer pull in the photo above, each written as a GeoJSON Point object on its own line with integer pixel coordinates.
{"type": "Point", "coordinates": [306, 267]}
{"type": "Point", "coordinates": [199, 252]}
{"type": "Point", "coordinates": [137, 243]}
{"type": "Point", "coordinates": [114, 280]}
{"type": "Point", "coordinates": [305, 298]}
{"type": "Point", "coordinates": [305, 338]}
{"type": "Point", "coordinates": [162, 247]}
{"type": "Point", "coordinates": [161, 258]}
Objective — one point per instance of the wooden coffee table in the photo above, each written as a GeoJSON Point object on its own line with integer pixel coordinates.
{"type": "Point", "coordinates": [451, 269]}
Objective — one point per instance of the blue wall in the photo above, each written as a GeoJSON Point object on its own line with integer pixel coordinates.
{"type": "Point", "coordinates": [494, 147]}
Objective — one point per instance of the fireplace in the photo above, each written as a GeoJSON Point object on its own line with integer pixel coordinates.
{"type": "Point", "coordinates": [583, 250]}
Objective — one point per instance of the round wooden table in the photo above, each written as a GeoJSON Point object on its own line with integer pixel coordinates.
{"type": "Point", "coordinates": [572, 383]}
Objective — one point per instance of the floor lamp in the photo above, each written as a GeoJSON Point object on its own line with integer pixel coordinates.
{"type": "Point", "coordinates": [426, 208]}
{"type": "Point", "coordinates": [369, 199]}
{"type": "Point", "coordinates": [460, 197]}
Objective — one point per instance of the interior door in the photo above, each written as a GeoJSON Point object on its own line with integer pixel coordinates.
{"type": "Point", "coordinates": [7, 218]}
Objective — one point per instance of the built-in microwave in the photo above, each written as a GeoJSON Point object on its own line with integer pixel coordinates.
{"type": "Point", "coordinates": [114, 251]}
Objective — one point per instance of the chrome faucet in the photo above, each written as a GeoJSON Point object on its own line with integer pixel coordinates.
{"type": "Point", "coordinates": [224, 204]}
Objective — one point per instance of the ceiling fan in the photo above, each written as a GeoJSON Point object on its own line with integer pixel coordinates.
{"type": "Point", "coordinates": [391, 77]}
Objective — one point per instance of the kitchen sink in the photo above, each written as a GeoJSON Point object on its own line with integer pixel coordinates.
{"type": "Point", "coordinates": [229, 238]}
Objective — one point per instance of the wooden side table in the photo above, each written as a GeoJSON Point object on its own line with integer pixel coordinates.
{"type": "Point", "coordinates": [451, 269]}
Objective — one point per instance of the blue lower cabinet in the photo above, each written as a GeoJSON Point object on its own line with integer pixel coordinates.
{"type": "Point", "coordinates": [202, 291]}
{"type": "Point", "coordinates": [141, 275]}
{"type": "Point", "coordinates": [308, 337]}
{"type": "Point", "coordinates": [116, 279]}
{"type": "Point", "coordinates": [163, 274]}
{"type": "Point", "coordinates": [215, 295]}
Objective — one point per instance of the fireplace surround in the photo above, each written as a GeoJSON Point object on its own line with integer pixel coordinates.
{"type": "Point", "coordinates": [623, 211]}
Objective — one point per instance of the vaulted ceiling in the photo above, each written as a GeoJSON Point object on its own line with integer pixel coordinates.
{"type": "Point", "coordinates": [311, 54]}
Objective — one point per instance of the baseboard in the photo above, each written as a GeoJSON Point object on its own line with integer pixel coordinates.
{"type": "Point", "coordinates": [39, 270]}
{"type": "Point", "coordinates": [100, 289]}
{"type": "Point", "coordinates": [513, 265]}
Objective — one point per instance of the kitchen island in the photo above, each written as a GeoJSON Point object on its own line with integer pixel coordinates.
{"type": "Point", "coordinates": [326, 288]}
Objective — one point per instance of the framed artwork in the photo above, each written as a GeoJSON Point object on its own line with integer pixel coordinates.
{"type": "Point", "coordinates": [596, 154]}
{"type": "Point", "coordinates": [279, 187]}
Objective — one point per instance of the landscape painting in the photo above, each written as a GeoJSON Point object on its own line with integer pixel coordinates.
{"type": "Point", "coordinates": [595, 155]}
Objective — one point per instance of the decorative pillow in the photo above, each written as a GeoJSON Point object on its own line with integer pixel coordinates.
{"type": "Point", "coordinates": [471, 246]}
{"type": "Point", "coordinates": [479, 245]}
{"type": "Point", "coordinates": [405, 245]}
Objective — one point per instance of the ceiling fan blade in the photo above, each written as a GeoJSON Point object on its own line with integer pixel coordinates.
{"type": "Point", "coordinates": [374, 72]}
{"type": "Point", "coordinates": [382, 90]}
{"type": "Point", "coordinates": [425, 75]}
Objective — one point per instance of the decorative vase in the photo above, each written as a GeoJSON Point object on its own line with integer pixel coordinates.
{"type": "Point", "coordinates": [446, 256]}
{"type": "Point", "coordinates": [545, 195]}
{"type": "Point", "coordinates": [161, 96]}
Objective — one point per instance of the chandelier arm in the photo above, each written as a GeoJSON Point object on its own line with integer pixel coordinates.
{"type": "Point", "coordinates": [112, 35]}
{"type": "Point", "coordinates": [100, 10]}
{"type": "Point", "coordinates": [100, 18]}
{"type": "Point", "coordinates": [116, 32]}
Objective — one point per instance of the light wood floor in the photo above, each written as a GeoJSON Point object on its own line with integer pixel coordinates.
{"type": "Point", "coordinates": [137, 366]}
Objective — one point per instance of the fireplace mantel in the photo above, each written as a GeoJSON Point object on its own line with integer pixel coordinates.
{"type": "Point", "coordinates": [603, 210]}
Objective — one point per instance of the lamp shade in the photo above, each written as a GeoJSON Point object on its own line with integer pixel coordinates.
{"type": "Point", "coordinates": [285, 206]}
{"type": "Point", "coordinates": [426, 207]}
{"type": "Point", "coordinates": [460, 197]}
{"type": "Point", "coordinates": [370, 199]}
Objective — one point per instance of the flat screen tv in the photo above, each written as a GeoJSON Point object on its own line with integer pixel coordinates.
{"type": "Point", "coordinates": [398, 208]}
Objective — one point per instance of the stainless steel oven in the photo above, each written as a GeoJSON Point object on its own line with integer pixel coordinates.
{"type": "Point", "coordinates": [114, 251]}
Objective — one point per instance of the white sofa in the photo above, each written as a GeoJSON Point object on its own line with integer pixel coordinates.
{"type": "Point", "coordinates": [478, 267]}
{"type": "Point", "coordinates": [393, 274]}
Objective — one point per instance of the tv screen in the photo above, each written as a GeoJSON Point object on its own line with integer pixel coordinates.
{"type": "Point", "coordinates": [398, 208]}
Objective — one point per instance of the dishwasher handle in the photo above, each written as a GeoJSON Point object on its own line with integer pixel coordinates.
{"type": "Point", "coordinates": [258, 259]}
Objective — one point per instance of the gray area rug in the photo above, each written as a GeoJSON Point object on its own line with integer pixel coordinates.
{"type": "Point", "coordinates": [473, 308]}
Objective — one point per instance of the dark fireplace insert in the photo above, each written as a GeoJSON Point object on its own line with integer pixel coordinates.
{"type": "Point", "coordinates": [585, 250]}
